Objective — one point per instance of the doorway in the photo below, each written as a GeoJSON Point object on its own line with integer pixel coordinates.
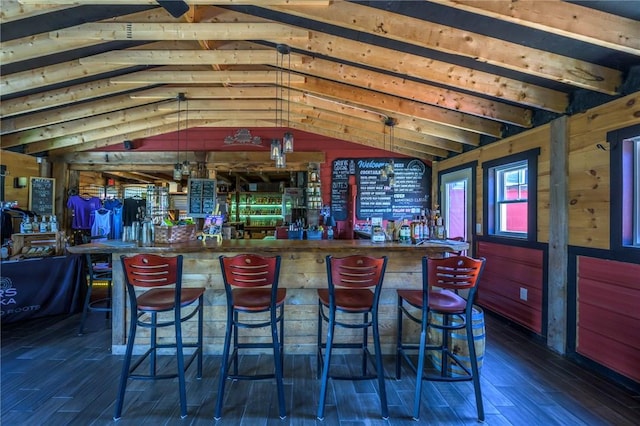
{"type": "Point", "coordinates": [456, 198]}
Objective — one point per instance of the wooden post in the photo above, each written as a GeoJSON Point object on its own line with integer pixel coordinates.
{"type": "Point", "coordinates": [558, 237]}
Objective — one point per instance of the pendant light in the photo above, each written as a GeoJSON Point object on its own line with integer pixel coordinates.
{"type": "Point", "coordinates": [177, 168]}
{"type": "Point", "coordinates": [287, 140]}
{"type": "Point", "coordinates": [276, 149]}
{"type": "Point", "coordinates": [186, 167]}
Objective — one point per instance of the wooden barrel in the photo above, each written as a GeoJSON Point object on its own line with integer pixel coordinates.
{"type": "Point", "coordinates": [458, 342]}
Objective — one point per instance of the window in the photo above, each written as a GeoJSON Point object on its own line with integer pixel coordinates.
{"type": "Point", "coordinates": [508, 210]}
{"type": "Point", "coordinates": [624, 146]}
{"type": "Point", "coordinates": [511, 198]}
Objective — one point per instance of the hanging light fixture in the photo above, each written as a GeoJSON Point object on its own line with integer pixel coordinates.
{"type": "Point", "coordinates": [186, 167]}
{"type": "Point", "coordinates": [177, 168]}
{"type": "Point", "coordinates": [281, 161]}
{"type": "Point", "coordinates": [276, 149]}
{"type": "Point", "coordinates": [388, 171]}
{"type": "Point", "coordinates": [287, 140]}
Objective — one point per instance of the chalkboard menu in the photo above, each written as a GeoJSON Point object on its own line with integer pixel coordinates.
{"type": "Point", "coordinates": [42, 196]}
{"type": "Point", "coordinates": [391, 188]}
{"type": "Point", "coordinates": [201, 197]}
{"type": "Point", "coordinates": [340, 172]}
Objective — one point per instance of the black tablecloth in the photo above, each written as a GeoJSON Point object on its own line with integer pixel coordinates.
{"type": "Point", "coordinates": [40, 287]}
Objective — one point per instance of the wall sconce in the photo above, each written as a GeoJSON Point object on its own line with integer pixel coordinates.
{"type": "Point", "coordinates": [20, 182]}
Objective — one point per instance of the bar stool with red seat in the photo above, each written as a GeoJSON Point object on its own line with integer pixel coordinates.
{"type": "Point", "coordinates": [251, 287]}
{"type": "Point", "coordinates": [165, 297]}
{"type": "Point", "coordinates": [441, 280]}
{"type": "Point", "coordinates": [351, 280]}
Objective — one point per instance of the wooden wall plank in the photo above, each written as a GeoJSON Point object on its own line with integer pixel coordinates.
{"type": "Point", "coordinates": [608, 315]}
{"type": "Point", "coordinates": [508, 269]}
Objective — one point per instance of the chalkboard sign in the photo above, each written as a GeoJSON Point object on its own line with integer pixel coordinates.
{"type": "Point", "coordinates": [201, 197]}
{"type": "Point", "coordinates": [391, 188]}
{"type": "Point", "coordinates": [340, 172]}
{"type": "Point", "coordinates": [42, 196]}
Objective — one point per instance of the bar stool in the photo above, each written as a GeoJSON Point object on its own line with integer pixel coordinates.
{"type": "Point", "coordinates": [351, 279]}
{"type": "Point", "coordinates": [99, 269]}
{"type": "Point", "coordinates": [164, 295]}
{"type": "Point", "coordinates": [441, 279]}
{"type": "Point", "coordinates": [251, 287]}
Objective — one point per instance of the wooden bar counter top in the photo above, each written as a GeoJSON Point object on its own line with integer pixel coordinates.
{"type": "Point", "coordinates": [303, 270]}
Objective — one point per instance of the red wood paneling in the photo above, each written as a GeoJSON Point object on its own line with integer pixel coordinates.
{"type": "Point", "coordinates": [508, 269]}
{"type": "Point", "coordinates": [608, 329]}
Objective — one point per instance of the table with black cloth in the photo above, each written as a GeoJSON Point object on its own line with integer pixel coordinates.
{"type": "Point", "coordinates": [33, 288]}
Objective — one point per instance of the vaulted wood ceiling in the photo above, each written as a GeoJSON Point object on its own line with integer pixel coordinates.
{"type": "Point", "coordinates": [450, 75]}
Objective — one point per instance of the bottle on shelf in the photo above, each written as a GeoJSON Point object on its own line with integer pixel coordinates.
{"type": "Point", "coordinates": [405, 232]}
{"type": "Point", "coordinates": [25, 225]}
{"type": "Point", "coordinates": [53, 223]}
{"type": "Point", "coordinates": [44, 225]}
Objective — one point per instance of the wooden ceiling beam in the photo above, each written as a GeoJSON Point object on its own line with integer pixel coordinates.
{"type": "Point", "coordinates": [358, 136]}
{"type": "Point", "coordinates": [25, 48]}
{"type": "Point", "coordinates": [379, 128]}
{"type": "Point", "coordinates": [417, 91]}
{"type": "Point", "coordinates": [202, 77]}
{"type": "Point", "coordinates": [188, 57]}
{"type": "Point", "coordinates": [83, 126]}
{"type": "Point", "coordinates": [70, 112]}
{"type": "Point", "coordinates": [423, 68]}
{"type": "Point", "coordinates": [128, 31]}
{"type": "Point", "coordinates": [205, 92]}
{"type": "Point", "coordinates": [59, 97]}
{"type": "Point", "coordinates": [191, 2]}
{"type": "Point", "coordinates": [562, 18]}
{"type": "Point", "coordinates": [431, 35]}
{"type": "Point", "coordinates": [118, 138]}
{"type": "Point", "coordinates": [14, 10]}
{"type": "Point", "coordinates": [49, 75]}
{"type": "Point", "coordinates": [393, 105]}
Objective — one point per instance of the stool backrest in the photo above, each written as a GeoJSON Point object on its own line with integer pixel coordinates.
{"type": "Point", "coordinates": [452, 273]}
{"type": "Point", "coordinates": [250, 270]}
{"type": "Point", "coordinates": [356, 271]}
{"type": "Point", "coordinates": [150, 270]}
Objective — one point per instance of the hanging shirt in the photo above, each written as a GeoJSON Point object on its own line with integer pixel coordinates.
{"type": "Point", "coordinates": [135, 209]}
{"type": "Point", "coordinates": [115, 206]}
{"type": "Point", "coordinates": [83, 209]}
{"type": "Point", "coordinates": [101, 223]}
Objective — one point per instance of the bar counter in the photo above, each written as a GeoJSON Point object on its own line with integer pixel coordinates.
{"type": "Point", "coordinates": [302, 271]}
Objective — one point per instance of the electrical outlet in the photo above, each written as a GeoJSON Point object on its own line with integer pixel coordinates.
{"type": "Point", "coordinates": [523, 294]}
{"type": "Point", "coordinates": [478, 228]}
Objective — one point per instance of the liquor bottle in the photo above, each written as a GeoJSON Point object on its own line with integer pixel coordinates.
{"type": "Point", "coordinates": [425, 227]}
{"type": "Point", "coordinates": [405, 232]}
{"type": "Point", "coordinates": [53, 224]}
{"type": "Point", "coordinates": [44, 226]}
{"type": "Point", "coordinates": [25, 225]}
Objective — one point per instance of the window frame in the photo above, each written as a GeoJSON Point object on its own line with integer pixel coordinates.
{"type": "Point", "coordinates": [624, 149]}
{"type": "Point", "coordinates": [490, 204]}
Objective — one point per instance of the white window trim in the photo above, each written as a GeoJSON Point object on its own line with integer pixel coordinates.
{"type": "Point", "coordinates": [499, 202]}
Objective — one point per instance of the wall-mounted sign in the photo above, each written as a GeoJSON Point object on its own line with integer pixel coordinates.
{"type": "Point", "coordinates": [42, 194]}
{"type": "Point", "coordinates": [391, 188]}
{"type": "Point", "coordinates": [201, 197]}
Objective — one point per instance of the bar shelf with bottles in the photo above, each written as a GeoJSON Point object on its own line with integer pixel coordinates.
{"type": "Point", "coordinates": [258, 209]}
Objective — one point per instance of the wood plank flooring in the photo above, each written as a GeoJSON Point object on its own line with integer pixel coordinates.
{"type": "Point", "coordinates": [52, 376]}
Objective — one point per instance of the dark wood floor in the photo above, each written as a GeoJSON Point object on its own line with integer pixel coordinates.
{"type": "Point", "coordinates": [51, 376]}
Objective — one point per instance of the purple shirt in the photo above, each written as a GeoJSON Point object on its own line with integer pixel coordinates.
{"type": "Point", "coordinates": [83, 209]}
